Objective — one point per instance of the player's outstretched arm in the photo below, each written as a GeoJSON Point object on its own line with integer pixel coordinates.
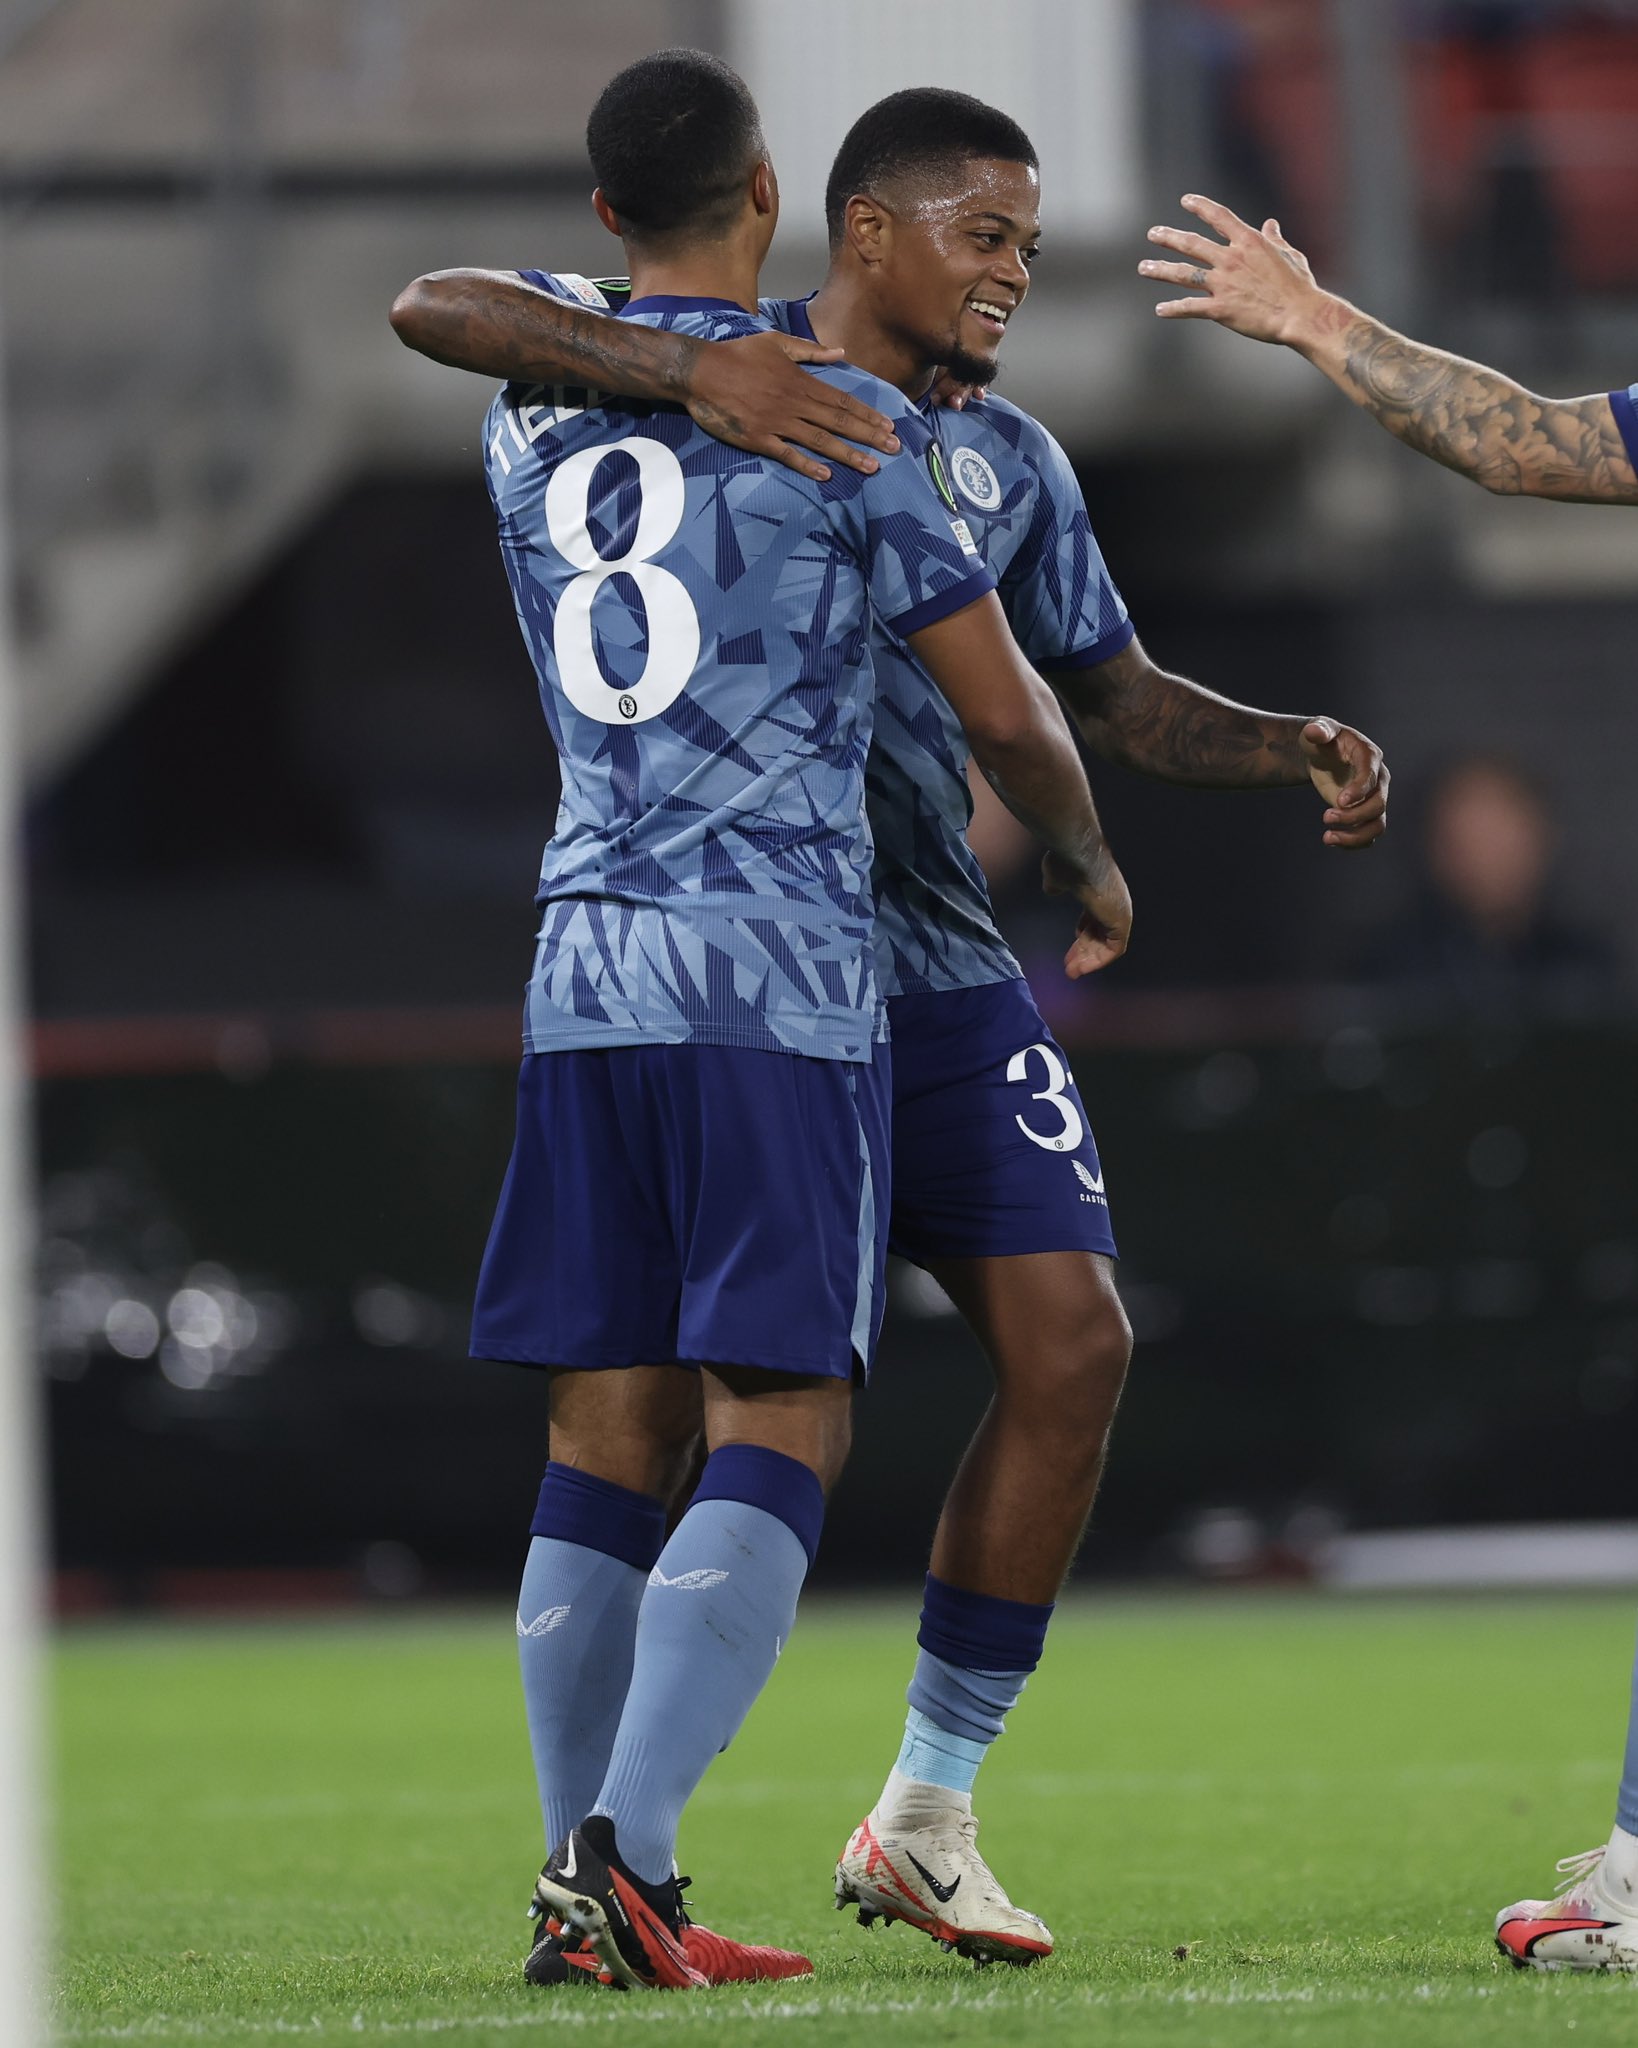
{"type": "Point", "coordinates": [1020, 741]}
{"type": "Point", "coordinates": [751, 393]}
{"type": "Point", "coordinates": [1472, 419]}
{"type": "Point", "coordinates": [1134, 713]}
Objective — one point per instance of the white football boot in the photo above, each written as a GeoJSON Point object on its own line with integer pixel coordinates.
{"type": "Point", "coordinates": [1590, 1923]}
{"type": "Point", "coordinates": [918, 1862]}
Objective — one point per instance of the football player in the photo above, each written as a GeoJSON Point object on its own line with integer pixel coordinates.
{"type": "Point", "coordinates": [1485, 426]}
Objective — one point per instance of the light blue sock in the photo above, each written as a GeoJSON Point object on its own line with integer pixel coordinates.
{"type": "Point", "coordinates": [931, 1755]}
{"type": "Point", "coordinates": [593, 1545]}
{"type": "Point", "coordinates": [1626, 1808]}
{"type": "Point", "coordinates": [577, 1629]}
{"type": "Point", "coordinates": [954, 1716]}
{"type": "Point", "coordinates": [976, 1653]}
{"type": "Point", "coordinates": [716, 1612]}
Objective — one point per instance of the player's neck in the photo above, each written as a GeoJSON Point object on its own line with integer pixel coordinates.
{"type": "Point", "coordinates": [843, 317]}
{"type": "Point", "coordinates": [714, 270]}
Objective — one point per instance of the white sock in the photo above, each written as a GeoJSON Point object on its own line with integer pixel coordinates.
{"type": "Point", "coordinates": [912, 1803]}
{"type": "Point", "coordinates": [1618, 1874]}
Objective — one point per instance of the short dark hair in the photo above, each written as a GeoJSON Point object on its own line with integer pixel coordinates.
{"type": "Point", "coordinates": [672, 140]}
{"type": "Point", "coordinates": [909, 134]}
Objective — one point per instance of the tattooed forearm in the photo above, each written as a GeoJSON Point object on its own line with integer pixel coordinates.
{"type": "Point", "coordinates": [1133, 713]}
{"type": "Point", "coordinates": [1482, 424]}
{"type": "Point", "coordinates": [501, 327]}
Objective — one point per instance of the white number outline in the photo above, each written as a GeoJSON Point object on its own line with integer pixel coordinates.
{"type": "Point", "coordinates": [673, 623]}
{"type": "Point", "coordinates": [1073, 1130]}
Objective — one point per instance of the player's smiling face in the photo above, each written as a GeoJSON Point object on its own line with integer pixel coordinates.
{"type": "Point", "coordinates": [958, 264]}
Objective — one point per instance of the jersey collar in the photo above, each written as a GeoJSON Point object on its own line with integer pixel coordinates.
{"type": "Point", "coordinates": [801, 324]}
{"type": "Point", "coordinates": [670, 302]}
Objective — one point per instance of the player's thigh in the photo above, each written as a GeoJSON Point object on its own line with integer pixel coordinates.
{"type": "Point", "coordinates": [782, 1231]}
{"type": "Point", "coordinates": [1052, 1327]}
{"type": "Point", "coordinates": [993, 1152]}
{"type": "Point", "coordinates": [636, 1427]}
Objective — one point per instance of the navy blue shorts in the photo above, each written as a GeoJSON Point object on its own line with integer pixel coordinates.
{"type": "Point", "coordinates": [992, 1147]}
{"type": "Point", "coordinates": [691, 1204]}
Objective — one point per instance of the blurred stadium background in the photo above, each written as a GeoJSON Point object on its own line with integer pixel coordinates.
{"type": "Point", "coordinates": [1369, 1123]}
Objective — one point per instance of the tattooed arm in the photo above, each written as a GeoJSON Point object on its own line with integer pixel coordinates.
{"type": "Point", "coordinates": [1475, 420]}
{"type": "Point", "coordinates": [750, 393]}
{"type": "Point", "coordinates": [1472, 419]}
{"type": "Point", "coordinates": [1132, 712]}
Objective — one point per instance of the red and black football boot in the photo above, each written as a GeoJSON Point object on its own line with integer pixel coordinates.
{"type": "Point", "coordinates": [632, 1927]}
{"type": "Point", "coordinates": [648, 1924]}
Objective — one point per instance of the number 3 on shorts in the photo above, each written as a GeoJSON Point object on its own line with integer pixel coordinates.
{"type": "Point", "coordinates": [1067, 1137]}
{"type": "Point", "coordinates": [673, 623]}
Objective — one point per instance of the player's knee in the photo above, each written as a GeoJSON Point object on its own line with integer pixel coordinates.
{"type": "Point", "coordinates": [1109, 1340]}
{"type": "Point", "coordinates": [808, 1419]}
{"type": "Point", "coordinates": [1073, 1383]}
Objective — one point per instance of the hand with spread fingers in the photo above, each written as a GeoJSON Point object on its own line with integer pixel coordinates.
{"type": "Point", "coordinates": [1350, 774]}
{"type": "Point", "coordinates": [1473, 419]}
{"type": "Point", "coordinates": [1253, 280]}
{"type": "Point", "coordinates": [754, 394]}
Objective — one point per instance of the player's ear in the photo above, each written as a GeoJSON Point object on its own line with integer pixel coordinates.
{"type": "Point", "coordinates": [604, 212]}
{"type": "Point", "coordinates": [866, 228]}
{"type": "Point", "coordinates": [765, 188]}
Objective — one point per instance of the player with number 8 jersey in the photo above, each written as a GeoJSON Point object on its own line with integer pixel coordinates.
{"type": "Point", "coordinates": [693, 1223]}
{"type": "Point", "coordinates": [699, 622]}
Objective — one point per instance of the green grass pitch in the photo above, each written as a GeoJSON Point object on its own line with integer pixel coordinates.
{"type": "Point", "coordinates": [1258, 1820]}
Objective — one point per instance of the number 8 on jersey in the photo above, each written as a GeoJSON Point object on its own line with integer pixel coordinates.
{"type": "Point", "coordinates": [673, 623]}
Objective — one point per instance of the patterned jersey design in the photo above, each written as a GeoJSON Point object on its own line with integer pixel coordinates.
{"type": "Point", "coordinates": [699, 620]}
{"type": "Point", "coordinates": [1020, 498]}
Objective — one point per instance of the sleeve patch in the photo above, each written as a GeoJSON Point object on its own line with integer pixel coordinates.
{"type": "Point", "coordinates": [583, 289]}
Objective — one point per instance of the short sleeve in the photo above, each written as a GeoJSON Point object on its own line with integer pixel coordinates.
{"type": "Point", "coordinates": [1624, 404]}
{"type": "Point", "coordinates": [920, 556]}
{"type": "Point", "coordinates": [1061, 600]}
{"type": "Point", "coordinates": [570, 286]}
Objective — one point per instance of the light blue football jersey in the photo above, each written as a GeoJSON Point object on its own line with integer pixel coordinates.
{"type": "Point", "coordinates": [700, 623]}
{"type": "Point", "coordinates": [1020, 499]}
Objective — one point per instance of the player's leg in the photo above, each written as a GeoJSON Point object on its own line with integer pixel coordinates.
{"type": "Point", "coordinates": [1626, 1809]}
{"type": "Point", "coordinates": [580, 1275]}
{"type": "Point", "coordinates": [1058, 1342]}
{"type": "Point", "coordinates": [1592, 1922]}
{"type": "Point", "coordinates": [999, 1193]}
{"type": "Point", "coordinates": [722, 1597]}
{"type": "Point", "coordinates": [621, 1443]}
{"type": "Point", "coordinates": [781, 1267]}
{"type": "Point", "coordinates": [1057, 1338]}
